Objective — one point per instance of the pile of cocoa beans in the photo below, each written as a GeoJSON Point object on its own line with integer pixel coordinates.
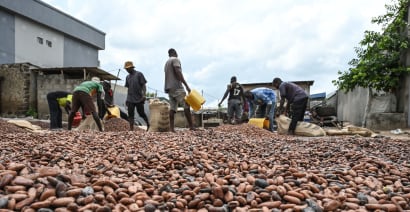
{"type": "Point", "coordinates": [226, 168]}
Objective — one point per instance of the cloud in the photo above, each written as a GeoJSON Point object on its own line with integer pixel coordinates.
{"type": "Point", "coordinates": [216, 39]}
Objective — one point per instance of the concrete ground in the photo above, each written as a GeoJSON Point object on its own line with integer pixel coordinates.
{"type": "Point", "coordinates": [403, 134]}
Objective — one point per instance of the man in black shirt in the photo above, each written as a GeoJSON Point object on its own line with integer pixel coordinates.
{"type": "Point", "coordinates": [296, 98]}
{"type": "Point", "coordinates": [235, 101]}
{"type": "Point", "coordinates": [135, 82]}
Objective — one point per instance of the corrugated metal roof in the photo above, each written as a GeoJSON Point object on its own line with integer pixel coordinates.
{"type": "Point", "coordinates": [94, 71]}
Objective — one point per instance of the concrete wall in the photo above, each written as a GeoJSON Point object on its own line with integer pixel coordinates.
{"type": "Point", "coordinates": [370, 109]}
{"type": "Point", "coordinates": [303, 84]}
{"type": "Point", "coordinates": [7, 38]}
{"type": "Point", "coordinates": [351, 106]}
{"type": "Point", "coordinates": [49, 83]}
{"type": "Point", "coordinates": [15, 90]}
{"type": "Point", "coordinates": [37, 44]}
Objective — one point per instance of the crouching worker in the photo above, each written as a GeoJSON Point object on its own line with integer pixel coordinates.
{"type": "Point", "coordinates": [265, 99]}
{"type": "Point", "coordinates": [56, 100]}
{"type": "Point", "coordinates": [82, 97]}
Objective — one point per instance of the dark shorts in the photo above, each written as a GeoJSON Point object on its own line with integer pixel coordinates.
{"type": "Point", "coordinates": [83, 100]}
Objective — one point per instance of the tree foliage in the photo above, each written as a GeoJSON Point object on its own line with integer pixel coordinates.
{"type": "Point", "coordinates": [380, 58]}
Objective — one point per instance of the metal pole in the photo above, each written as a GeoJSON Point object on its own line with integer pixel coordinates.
{"type": "Point", "coordinates": [116, 81]}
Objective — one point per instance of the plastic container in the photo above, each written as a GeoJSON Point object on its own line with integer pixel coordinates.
{"type": "Point", "coordinates": [77, 119]}
{"type": "Point", "coordinates": [259, 122]}
{"type": "Point", "coordinates": [114, 112]}
{"type": "Point", "coordinates": [195, 100]}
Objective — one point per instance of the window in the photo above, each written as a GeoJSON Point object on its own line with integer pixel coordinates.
{"type": "Point", "coordinates": [49, 43]}
{"type": "Point", "coordinates": [40, 40]}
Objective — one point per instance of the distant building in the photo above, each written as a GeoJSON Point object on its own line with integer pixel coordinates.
{"type": "Point", "coordinates": [41, 50]}
{"type": "Point", "coordinates": [303, 84]}
{"type": "Point", "coordinates": [35, 32]}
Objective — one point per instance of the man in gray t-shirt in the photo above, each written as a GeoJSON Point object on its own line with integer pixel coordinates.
{"type": "Point", "coordinates": [174, 79]}
{"type": "Point", "coordinates": [296, 98]}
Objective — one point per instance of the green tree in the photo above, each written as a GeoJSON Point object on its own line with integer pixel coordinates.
{"type": "Point", "coordinates": [380, 61]}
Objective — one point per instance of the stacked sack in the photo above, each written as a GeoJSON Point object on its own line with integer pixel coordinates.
{"type": "Point", "coordinates": [159, 116]}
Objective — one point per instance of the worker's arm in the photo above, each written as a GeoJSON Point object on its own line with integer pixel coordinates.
{"type": "Point", "coordinates": [251, 109]}
{"type": "Point", "coordinates": [144, 92]}
{"type": "Point", "coordinates": [100, 104]}
{"type": "Point", "coordinates": [281, 109]}
{"type": "Point", "coordinates": [180, 77]}
{"type": "Point", "coordinates": [225, 95]}
{"type": "Point", "coordinates": [67, 107]}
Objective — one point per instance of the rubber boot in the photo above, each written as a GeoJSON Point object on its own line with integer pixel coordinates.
{"type": "Point", "coordinates": [70, 120]}
{"type": "Point", "coordinates": [171, 121]}
{"type": "Point", "coordinates": [146, 121]}
{"type": "Point", "coordinates": [97, 121]}
{"type": "Point", "coordinates": [131, 121]}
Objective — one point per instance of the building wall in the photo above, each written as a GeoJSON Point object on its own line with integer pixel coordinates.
{"type": "Point", "coordinates": [49, 83]}
{"type": "Point", "coordinates": [67, 42]}
{"type": "Point", "coordinates": [15, 90]}
{"type": "Point", "coordinates": [55, 19]}
{"type": "Point", "coordinates": [375, 110]}
{"type": "Point", "coordinates": [7, 38]}
{"type": "Point", "coordinates": [305, 85]}
{"type": "Point", "coordinates": [352, 106]}
{"type": "Point", "coordinates": [37, 44]}
{"type": "Point", "coordinates": [78, 54]}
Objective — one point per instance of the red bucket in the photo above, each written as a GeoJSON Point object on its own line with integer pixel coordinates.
{"type": "Point", "coordinates": [77, 119]}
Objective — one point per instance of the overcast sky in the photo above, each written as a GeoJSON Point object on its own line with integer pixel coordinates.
{"type": "Point", "coordinates": [258, 40]}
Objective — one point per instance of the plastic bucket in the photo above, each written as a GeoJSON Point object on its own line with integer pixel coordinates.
{"type": "Point", "coordinates": [77, 119]}
{"type": "Point", "coordinates": [195, 100]}
{"type": "Point", "coordinates": [115, 112]}
{"type": "Point", "coordinates": [259, 122]}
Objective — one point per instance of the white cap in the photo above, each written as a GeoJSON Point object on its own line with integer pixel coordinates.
{"type": "Point", "coordinates": [95, 79]}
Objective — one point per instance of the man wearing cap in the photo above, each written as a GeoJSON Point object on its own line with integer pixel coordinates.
{"type": "Point", "coordinates": [296, 98]}
{"type": "Point", "coordinates": [135, 82]}
{"type": "Point", "coordinates": [265, 99]}
{"type": "Point", "coordinates": [82, 97]}
{"type": "Point", "coordinates": [235, 101]}
{"type": "Point", "coordinates": [57, 99]}
{"type": "Point", "coordinates": [174, 79]}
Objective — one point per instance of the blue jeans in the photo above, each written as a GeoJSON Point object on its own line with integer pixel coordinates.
{"type": "Point", "coordinates": [271, 114]}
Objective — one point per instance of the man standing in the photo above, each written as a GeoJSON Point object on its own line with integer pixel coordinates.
{"type": "Point", "coordinates": [296, 101]}
{"type": "Point", "coordinates": [136, 84]}
{"type": "Point", "coordinates": [82, 97]}
{"type": "Point", "coordinates": [265, 98]}
{"type": "Point", "coordinates": [235, 100]}
{"type": "Point", "coordinates": [173, 87]}
{"type": "Point", "coordinates": [56, 100]}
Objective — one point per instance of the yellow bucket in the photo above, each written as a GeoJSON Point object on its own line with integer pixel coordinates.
{"type": "Point", "coordinates": [259, 122]}
{"type": "Point", "coordinates": [115, 112]}
{"type": "Point", "coordinates": [195, 100]}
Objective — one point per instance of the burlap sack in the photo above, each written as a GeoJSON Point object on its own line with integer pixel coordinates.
{"type": "Point", "coordinates": [159, 116]}
{"type": "Point", "coordinates": [302, 128]}
{"type": "Point", "coordinates": [88, 124]}
{"type": "Point", "coordinates": [26, 124]}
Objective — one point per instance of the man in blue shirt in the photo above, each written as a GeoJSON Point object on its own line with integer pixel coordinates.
{"type": "Point", "coordinates": [296, 98]}
{"type": "Point", "coordinates": [265, 98]}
